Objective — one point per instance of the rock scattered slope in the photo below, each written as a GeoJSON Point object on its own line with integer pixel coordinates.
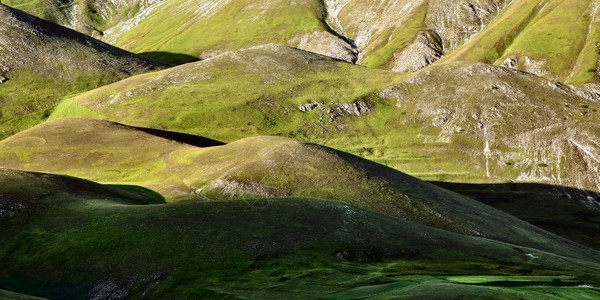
{"type": "Point", "coordinates": [520, 127]}
{"type": "Point", "coordinates": [398, 34]}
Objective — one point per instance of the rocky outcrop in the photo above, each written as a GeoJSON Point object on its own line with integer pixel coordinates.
{"type": "Point", "coordinates": [512, 125]}
{"type": "Point", "coordinates": [526, 64]}
{"type": "Point", "coordinates": [325, 43]}
{"type": "Point", "coordinates": [423, 51]}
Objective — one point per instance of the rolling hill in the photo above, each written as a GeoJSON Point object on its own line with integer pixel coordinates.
{"type": "Point", "coordinates": [41, 62]}
{"type": "Point", "coordinates": [271, 167]}
{"type": "Point", "coordinates": [498, 123]}
{"type": "Point", "coordinates": [233, 249]}
{"type": "Point", "coordinates": [219, 177]}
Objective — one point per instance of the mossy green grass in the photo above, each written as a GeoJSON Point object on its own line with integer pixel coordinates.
{"type": "Point", "coordinates": [83, 239]}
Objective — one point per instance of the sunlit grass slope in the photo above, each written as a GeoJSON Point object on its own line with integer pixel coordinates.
{"type": "Point", "coordinates": [84, 240]}
{"type": "Point", "coordinates": [555, 39]}
{"type": "Point", "coordinates": [434, 124]}
{"type": "Point", "coordinates": [379, 32]}
{"type": "Point", "coordinates": [199, 28]}
{"type": "Point", "coordinates": [260, 167]}
{"type": "Point", "coordinates": [43, 62]}
{"type": "Point", "coordinates": [102, 19]}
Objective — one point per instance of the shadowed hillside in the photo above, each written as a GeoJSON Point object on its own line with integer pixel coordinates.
{"type": "Point", "coordinates": [538, 204]}
{"type": "Point", "coordinates": [119, 249]}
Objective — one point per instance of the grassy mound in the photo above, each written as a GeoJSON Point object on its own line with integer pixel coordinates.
{"type": "Point", "coordinates": [82, 240]}
{"type": "Point", "coordinates": [270, 167]}
{"type": "Point", "coordinates": [423, 125]}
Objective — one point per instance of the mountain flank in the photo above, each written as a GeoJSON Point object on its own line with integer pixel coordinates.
{"type": "Point", "coordinates": [41, 62]}
{"type": "Point", "coordinates": [499, 123]}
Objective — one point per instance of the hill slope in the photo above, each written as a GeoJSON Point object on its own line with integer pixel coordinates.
{"type": "Point", "coordinates": [400, 35]}
{"type": "Point", "coordinates": [536, 129]}
{"type": "Point", "coordinates": [287, 243]}
{"type": "Point", "coordinates": [102, 19]}
{"type": "Point", "coordinates": [554, 39]}
{"type": "Point", "coordinates": [403, 36]}
{"type": "Point", "coordinates": [270, 167]}
{"type": "Point", "coordinates": [41, 62]}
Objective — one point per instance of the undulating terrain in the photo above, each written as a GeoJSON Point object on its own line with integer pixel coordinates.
{"type": "Point", "coordinates": [337, 149]}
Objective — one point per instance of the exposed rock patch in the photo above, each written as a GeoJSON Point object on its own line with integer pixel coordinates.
{"type": "Point", "coordinates": [424, 50]}
{"type": "Point", "coordinates": [308, 107]}
{"type": "Point", "coordinates": [526, 64]}
{"type": "Point", "coordinates": [510, 62]}
{"type": "Point", "coordinates": [357, 108]}
{"type": "Point", "coordinates": [325, 43]}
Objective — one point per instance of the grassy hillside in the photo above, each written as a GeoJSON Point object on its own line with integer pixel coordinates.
{"type": "Point", "coordinates": [423, 125]}
{"type": "Point", "coordinates": [270, 167]}
{"type": "Point", "coordinates": [555, 39]}
{"type": "Point", "coordinates": [383, 34]}
{"type": "Point", "coordinates": [227, 25]}
{"type": "Point", "coordinates": [40, 63]}
{"type": "Point", "coordinates": [102, 19]}
{"type": "Point", "coordinates": [83, 240]}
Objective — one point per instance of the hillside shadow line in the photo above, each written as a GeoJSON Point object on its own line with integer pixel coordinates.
{"type": "Point", "coordinates": [190, 139]}
{"type": "Point", "coordinates": [568, 212]}
{"type": "Point", "coordinates": [170, 57]}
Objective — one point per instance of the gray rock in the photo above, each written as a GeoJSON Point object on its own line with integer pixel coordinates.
{"type": "Point", "coordinates": [510, 62]}
{"type": "Point", "coordinates": [425, 49]}
{"type": "Point", "coordinates": [308, 107]}
{"type": "Point", "coordinates": [357, 108]}
{"type": "Point", "coordinates": [327, 44]}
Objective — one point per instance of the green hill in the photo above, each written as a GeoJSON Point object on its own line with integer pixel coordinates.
{"type": "Point", "coordinates": [84, 240]}
{"type": "Point", "coordinates": [554, 39]}
{"type": "Point", "coordinates": [403, 36]}
{"type": "Point", "coordinates": [423, 124]}
{"type": "Point", "coordinates": [41, 62]}
{"type": "Point", "coordinates": [270, 167]}
{"type": "Point", "coordinates": [220, 178]}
